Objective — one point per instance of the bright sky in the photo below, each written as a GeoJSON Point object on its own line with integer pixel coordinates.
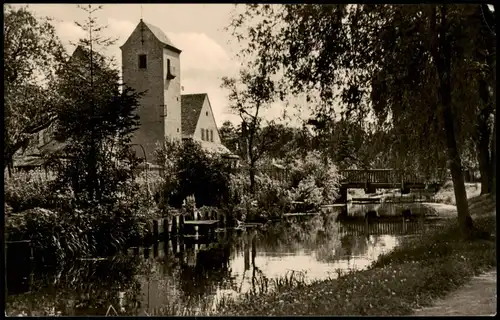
{"type": "Point", "coordinates": [196, 29]}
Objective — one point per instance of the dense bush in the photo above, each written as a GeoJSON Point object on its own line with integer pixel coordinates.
{"type": "Point", "coordinates": [268, 201]}
{"type": "Point", "coordinates": [311, 182]}
{"type": "Point", "coordinates": [58, 236]}
{"type": "Point", "coordinates": [192, 171]}
{"type": "Point", "coordinates": [271, 197]}
{"type": "Point", "coordinates": [314, 181]}
{"type": "Point", "coordinates": [22, 192]}
{"type": "Point", "coordinates": [55, 237]}
{"type": "Point", "coordinates": [61, 227]}
{"type": "Point", "coordinates": [112, 177]}
{"type": "Point", "coordinates": [148, 198]}
{"type": "Point", "coordinates": [308, 192]}
{"type": "Point", "coordinates": [28, 190]}
{"type": "Point", "coordinates": [206, 212]}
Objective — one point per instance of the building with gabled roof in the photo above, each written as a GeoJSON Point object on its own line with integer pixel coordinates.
{"type": "Point", "coordinates": [151, 64]}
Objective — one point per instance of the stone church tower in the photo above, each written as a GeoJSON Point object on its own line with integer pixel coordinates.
{"type": "Point", "coordinates": [151, 64]}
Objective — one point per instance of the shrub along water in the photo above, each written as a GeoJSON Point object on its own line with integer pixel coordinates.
{"type": "Point", "coordinates": [60, 230]}
{"type": "Point", "coordinates": [28, 190]}
{"type": "Point", "coordinates": [58, 236]}
{"type": "Point", "coordinates": [310, 181]}
{"type": "Point", "coordinates": [190, 170]}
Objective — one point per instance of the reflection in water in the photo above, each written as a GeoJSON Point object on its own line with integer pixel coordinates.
{"type": "Point", "coordinates": [390, 209]}
{"type": "Point", "coordinates": [144, 280]}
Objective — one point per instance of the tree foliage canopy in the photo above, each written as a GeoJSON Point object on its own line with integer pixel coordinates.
{"type": "Point", "coordinates": [95, 121]}
{"type": "Point", "coordinates": [189, 170]}
{"type": "Point", "coordinates": [423, 70]}
{"type": "Point", "coordinates": [32, 55]}
{"type": "Point", "coordinates": [373, 58]}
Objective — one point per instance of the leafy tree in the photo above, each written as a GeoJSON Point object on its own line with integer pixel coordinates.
{"type": "Point", "coordinates": [96, 121]}
{"type": "Point", "coordinates": [404, 63]}
{"type": "Point", "coordinates": [312, 178]}
{"type": "Point", "coordinates": [287, 142]}
{"type": "Point", "coordinates": [249, 95]}
{"type": "Point", "coordinates": [32, 53]}
{"type": "Point", "coordinates": [230, 136]}
{"type": "Point", "coordinates": [189, 170]}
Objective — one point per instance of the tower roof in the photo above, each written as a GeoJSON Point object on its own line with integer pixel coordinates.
{"type": "Point", "coordinates": [161, 36]}
{"type": "Point", "coordinates": [191, 105]}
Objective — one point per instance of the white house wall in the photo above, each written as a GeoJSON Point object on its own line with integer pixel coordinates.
{"type": "Point", "coordinates": [207, 121]}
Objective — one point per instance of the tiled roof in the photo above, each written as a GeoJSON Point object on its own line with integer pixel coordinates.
{"type": "Point", "coordinates": [82, 53]}
{"type": "Point", "coordinates": [80, 58]}
{"type": "Point", "coordinates": [191, 105]}
{"type": "Point", "coordinates": [38, 155]}
{"type": "Point", "coordinates": [53, 147]}
{"type": "Point", "coordinates": [160, 35]}
{"type": "Point", "coordinates": [29, 161]}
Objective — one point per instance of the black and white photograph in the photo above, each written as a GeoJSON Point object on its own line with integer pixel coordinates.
{"type": "Point", "coordinates": [249, 159]}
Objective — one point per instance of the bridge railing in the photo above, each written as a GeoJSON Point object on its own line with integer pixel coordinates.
{"type": "Point", "coordinates": [374, 175]}
{"type": "Point", "coordinates": [385, 176]}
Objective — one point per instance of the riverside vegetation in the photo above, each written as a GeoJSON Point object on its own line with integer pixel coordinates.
{"type": "Point", "coordinates": [411, 276]}
{"type": "Point", "coordinates": [36, 210]}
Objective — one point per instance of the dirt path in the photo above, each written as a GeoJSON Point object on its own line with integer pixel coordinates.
{"type": "Point", "coordinates": [477, 298]}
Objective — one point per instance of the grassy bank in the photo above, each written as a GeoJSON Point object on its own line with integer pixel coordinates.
{"type": "Point", "coordinates": [446, 194]}
{"type": "Point", "coordinates": [412, 276]}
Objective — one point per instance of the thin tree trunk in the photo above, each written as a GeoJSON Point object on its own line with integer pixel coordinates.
{"type": "Point", "coordinates": [483, 138]}
{"type": "Point", "coordinates": [485, 164]}
{"type": "Point", "coordinates": [443, 64]}
{"type": "Point", "coordinates": [252, 178]}
{"type": "Point", "coordinates": [494, 160]}
{"type": "Point", "coordinates": [251, 157]}
{"type": "Point", "coordinates": [493, 140]}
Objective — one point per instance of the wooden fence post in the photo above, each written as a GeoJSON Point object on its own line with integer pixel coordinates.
{"type": "Point", "coordinates": [174, 226]}
{"type": "Point", "coordinates": [155, 250]}
{"type": "Point", "coordinates": [165, 229]}
{"type": "Point", "coordinates": [155, 230]}
{"type": "Point", "coordinates": [181, 224]}
{"type": "Point", "coordinates": [174, 245]}
{"type": "Point", "coordinates": [165, 246]}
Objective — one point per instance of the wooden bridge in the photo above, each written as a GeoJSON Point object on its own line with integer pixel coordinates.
{"type": "Point", "coordinates": [373, 179]}
{"type": "Point", "coordinates": [385, 179]}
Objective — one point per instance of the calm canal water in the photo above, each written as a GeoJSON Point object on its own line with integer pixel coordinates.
{"type": "Point", "coordinates": [142, 281]}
